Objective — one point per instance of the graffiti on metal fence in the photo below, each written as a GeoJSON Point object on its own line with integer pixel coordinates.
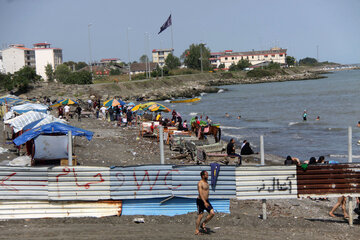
{"type": "Point", "coordinates": [97, 178]}
{"type": "Point", "coordinates": [277, 185]}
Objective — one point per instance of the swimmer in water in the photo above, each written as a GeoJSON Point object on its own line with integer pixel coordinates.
{"type": "Point", "coordinates": [305, 115]}
{"type": "Point", "coordinates": [239, 117]}
{"type": "Point", "coordinates": [318, 118]}
{"type": "Point", "coordinates": [227, 115]}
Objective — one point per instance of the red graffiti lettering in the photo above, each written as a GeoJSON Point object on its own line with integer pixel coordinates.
{"type": "Point", "coordinates": [87, 185]}
{"type": "Point", "coordinates": [120, 180]}
{"type": "Point", "coordinates": [66, 171]}
{"type": "Point", "coordinates": [148, 179]}
{"type": "Point", "coordinates": [2, 182]}
{"type": "Point", "coordinates": [171, 188]}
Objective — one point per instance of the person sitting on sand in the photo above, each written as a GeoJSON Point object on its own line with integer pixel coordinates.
{"type": "Point", "coordinates": [230, 150]}
{"type": "Point", "coordinates": [312, 160]}
{"type": "Point", "coordinates": [292, 161]}
{"type": "Point", "coordinates": [246, 149]}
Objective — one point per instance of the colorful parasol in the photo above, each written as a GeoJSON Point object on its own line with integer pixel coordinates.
{"type": "Point", "coordinates": [112, 102]}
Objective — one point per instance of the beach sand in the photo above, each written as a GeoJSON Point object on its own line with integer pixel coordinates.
{"type": "Point", "coordinates": [120, 146]}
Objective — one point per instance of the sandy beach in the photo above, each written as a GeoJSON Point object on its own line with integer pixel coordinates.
{"type": "Point", "coordinates": [121, 146]}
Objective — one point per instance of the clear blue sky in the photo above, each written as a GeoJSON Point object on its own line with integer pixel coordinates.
{"type": "Point", "coordinates": [239, 25]}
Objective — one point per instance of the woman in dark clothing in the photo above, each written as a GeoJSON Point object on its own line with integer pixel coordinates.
{"type": "Point", "coordinates": [246, 150]}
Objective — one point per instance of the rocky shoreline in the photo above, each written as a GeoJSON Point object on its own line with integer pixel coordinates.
{"type": "Point", "coordinates": [180, 86]}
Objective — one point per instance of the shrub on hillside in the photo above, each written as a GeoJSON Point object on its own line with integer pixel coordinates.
{"type": "Point", "coordinates": [258, 73]}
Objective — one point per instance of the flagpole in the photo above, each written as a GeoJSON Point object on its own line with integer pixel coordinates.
{"type": "Point", "coordinates": [172, 38]}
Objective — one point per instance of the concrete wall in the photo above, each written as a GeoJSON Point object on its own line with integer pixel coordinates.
{"type": "Point", "coordinates": [13, 59]}
{"type": "Point", "coordinates": [253, 59]}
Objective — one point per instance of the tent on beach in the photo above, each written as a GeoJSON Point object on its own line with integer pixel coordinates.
{"type": "Point", "coordinates": [27, 107]}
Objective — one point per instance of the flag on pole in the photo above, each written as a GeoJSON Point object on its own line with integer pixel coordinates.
{"type": "Point", "coordinates": [166, 24]}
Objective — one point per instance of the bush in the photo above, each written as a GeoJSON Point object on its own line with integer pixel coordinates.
{"type": "Point", "coordinates": [258, 73]}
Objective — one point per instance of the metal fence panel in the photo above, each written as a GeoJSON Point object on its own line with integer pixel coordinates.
{"type": "Point", "coordinates": [79, 183]}
{"type": "Point", "coordinates": [331, 180]}
{"type": "Point", "coordinates": [18, 209]}
{"type": "Point", "coordinates": [186, 178]}
{"type": "Point", "coordinates": [23, 183]}
{"type": "Point", "coordinates": [266, 182]}
{"type": "Point", "coordinates": [175, 206]}
{"type": "Point", "coordinates": [138, 182]}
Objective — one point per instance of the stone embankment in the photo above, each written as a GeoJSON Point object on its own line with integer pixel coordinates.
{"type": "Point", "coordinates": [159, 89]}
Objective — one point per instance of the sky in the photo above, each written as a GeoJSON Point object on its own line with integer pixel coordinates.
{"type": "Point", "coordinates": [330, 26]}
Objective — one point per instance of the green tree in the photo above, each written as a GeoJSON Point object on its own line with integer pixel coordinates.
{"type": "Point", "coordinates": [115, 71]}
{"type": "Point", "coordinates": [62, 73]}
{"type": "Point", "coordinates": [24, 77]}
{"type": "Point", "coordinates": [193, 57]}
{"type": "Point", "coordinates": [81, 77]}
{"type": "Point", "coordinates": [222, 65]}
{"type": "Point", "coordinates": [243, 63]}
{"type": "Point", "coordinates": [233, 67]}
{"type": "Point", "coordinates": [273, 65]}
{"type": "Point", "coordinates": [6, 82]}
{"type": "Point", "coordinates": [172, 61]}
{"type": "Point", "coordinates": [80, 65]}
{"type": "Point", "coordinates": [144, 58]}
{"type": "Point", "coordinates": [290, 61]}
{"type": "Point", "coordinates": [49, 72]}
{"type": "Point", "coordinates": [308, 61]}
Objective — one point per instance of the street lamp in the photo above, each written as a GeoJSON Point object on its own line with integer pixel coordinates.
{"type": "Point", "coordinates": [128, 43]}
{"type": "Point", "coordinates": [89, 25]}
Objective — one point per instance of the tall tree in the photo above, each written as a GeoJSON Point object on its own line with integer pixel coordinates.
{"type": "Point", "coordinates": [290, 61]}
{"type": "Point", "coordinates": [62, 73]}
{"type": "Point", "coordinates": [193, 57]}
{"type": "Point", "coordinates": [172, 61]}
{"type": "Point", "coordinates": [6, 82]}
{"type": "Point", "coordinates": [144, 58]}
{"type": "Point", "coordinates": [49, 73]}
{"type": "Point", "coordinates": [24, 77]}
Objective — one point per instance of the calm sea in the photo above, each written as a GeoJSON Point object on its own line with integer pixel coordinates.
{"type": "Point", "coordinates": [275, 111]}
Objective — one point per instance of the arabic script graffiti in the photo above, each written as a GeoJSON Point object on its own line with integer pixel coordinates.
{"type": "Point", "coordinates": [278, 185]}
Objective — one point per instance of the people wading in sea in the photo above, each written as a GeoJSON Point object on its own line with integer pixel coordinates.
{"type": "Point", "coordinates": [305, 115]}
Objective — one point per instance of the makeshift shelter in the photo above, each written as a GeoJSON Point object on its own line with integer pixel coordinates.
{"type": "Point", "coordinates": [50, 141]}
{"type": "Point", "coordinates": [27, 107]}
{"type": "Point", "coordinates": [21, 121]}
{"type": "Point", "coordinates": [11, 100]}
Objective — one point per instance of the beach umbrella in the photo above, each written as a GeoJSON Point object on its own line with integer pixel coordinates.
{"type": "Point", "coordinates": [122, 103]}
{"type": "Point", "coordinates": [111, 102]}
{"type": "Point", "coordinates": [66, 101]}
{"type": "Point", "coordinates": [131, 104]}
{"type": "Point", "coordinates": [159, 108]}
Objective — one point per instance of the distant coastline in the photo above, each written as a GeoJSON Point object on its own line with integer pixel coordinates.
{"type": "Point", "coordinates": [179, 86]}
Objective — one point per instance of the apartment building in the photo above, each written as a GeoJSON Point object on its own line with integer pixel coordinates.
{"type": "Point", "coordinates": [16, 56]}
{"type": "Point", "coordinates": [159, 55]}
{"type": "Point", "coordinates": [45, 55]}
{"type": "Point", "coordinates": [229, 57]}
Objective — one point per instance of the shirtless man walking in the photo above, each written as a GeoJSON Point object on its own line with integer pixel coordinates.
{"type": "Point", "coordinates": [203, 203]}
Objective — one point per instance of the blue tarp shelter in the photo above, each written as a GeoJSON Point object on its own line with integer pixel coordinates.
{"type": "Point", "coordinates": [54, 127]}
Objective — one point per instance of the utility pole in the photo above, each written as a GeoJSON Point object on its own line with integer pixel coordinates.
{"type": "Point", "coordinates": [91, 69]}
{"type": "Point", "coordinates": [146, 59]}
{"type": "Point", "coordinates": [317, 52]}
{"type": "Point", "coordinates": [201, 58]}
{"type": "Point", "coordinates": [127, 37]}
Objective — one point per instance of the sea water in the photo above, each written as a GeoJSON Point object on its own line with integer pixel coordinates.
{"type": "Point", "coordinates": [275, 110]}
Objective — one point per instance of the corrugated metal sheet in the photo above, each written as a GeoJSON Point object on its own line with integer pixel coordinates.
{"type": "Point", "coordinates": [175, 206]}
{"type": "Point", "coordinates": [266, 182]}
{"type": "Point", "coordinates": [59, 209]}
{"type": "Point", "coordinates": [151, 181]}
{"type": "Point", "coordinates": [23, 183]}
{"type": "Point", "coordinates": [185, 179]}
{"type": "Point", "coordinates": [79, 183]}
{"type": "Point", "coordinates": [330, 180]}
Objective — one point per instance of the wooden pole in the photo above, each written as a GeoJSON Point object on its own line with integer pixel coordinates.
{"type": "Point", "coordinates": [262, 157]}
{"type": "Point", "coordinates": [350, 161]}
{"type": "Point", "coordinates": [70, 149]}
{"type": "Point", "coordinates": [161, 133]}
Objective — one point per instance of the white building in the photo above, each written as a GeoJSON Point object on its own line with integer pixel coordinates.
{"type": "Point", "coordinates": [228, 57]}
{"type": "Point", "coordinates": [16, 56]}
{"type": "Point", "coordinates": [2, 69]}
{"type": "Point", "coordinates": [45, 55]}
{"type": "Point", "coordinates": [159, 55]}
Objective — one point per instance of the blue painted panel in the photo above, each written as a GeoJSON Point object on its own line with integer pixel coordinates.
{"type": "Point", "coordinates": [175, 206]}
{"type": "Point", "coordinates": [187, 177]}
